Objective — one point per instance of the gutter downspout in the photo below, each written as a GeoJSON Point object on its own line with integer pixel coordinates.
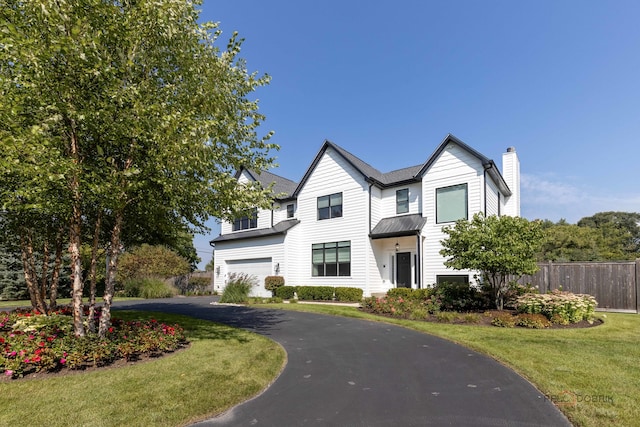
{"type": "Point", "coordinates": [419, 263]}
{"type": "Point", "coordinates": [484, 177]}
{"type": "Point", "coordinates": [367, 276]}
{"type": "Point", "coordinates": [370, 185]}
{"type": "Point", "coordinates": [272, 208]}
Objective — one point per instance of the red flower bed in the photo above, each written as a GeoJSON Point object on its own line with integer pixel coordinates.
{"type": "Point", "coordinates": [32, 342]}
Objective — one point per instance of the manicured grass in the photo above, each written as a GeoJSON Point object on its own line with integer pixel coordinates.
{"type": "Point", "coordinates": [222, 367]}
{"type": "Point", "coordinates": [60, 301]}
{"type": "Point", "coordinates": [591, 374]}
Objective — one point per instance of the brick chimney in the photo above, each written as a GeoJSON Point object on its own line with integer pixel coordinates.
{"type": "Point", "coordinates": [511, 175]}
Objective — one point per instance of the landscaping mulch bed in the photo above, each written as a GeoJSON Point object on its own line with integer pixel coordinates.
{"type": "Point", "coordinates": [485, 318]}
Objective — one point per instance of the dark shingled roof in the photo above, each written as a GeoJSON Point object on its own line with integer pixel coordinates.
{"type": "Point", "coordinates": [282, 187]}
{"type": "Point", "coordinates": [387, 178]}
{"type": "Point", "coordinates": [397, 226]}
{"type": "Point", "coordinates": [288, 189]}
{"type": "Point", "coordinates": [279, 228]}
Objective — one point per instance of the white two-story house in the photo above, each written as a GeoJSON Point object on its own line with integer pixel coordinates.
{"type": "Point", "coordinates": [347, 224]}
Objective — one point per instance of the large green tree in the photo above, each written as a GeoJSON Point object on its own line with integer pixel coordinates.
{"type": "Point", "coordinates": [498, 247]}
{"type": "Point", "coordinates": [605, 236]}
{"type": "Point", "coordinates": [128, 116]}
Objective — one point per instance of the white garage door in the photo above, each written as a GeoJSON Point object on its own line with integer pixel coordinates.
{"type": "Point", "coordinates": [259, 267]}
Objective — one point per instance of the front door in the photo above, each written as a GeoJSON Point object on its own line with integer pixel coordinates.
{"type": "Point", "coordinates": [403, 270]}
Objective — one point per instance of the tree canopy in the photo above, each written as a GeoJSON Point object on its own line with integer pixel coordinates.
{"type": "Point", "coordinates": [604, 236]}
{"type": "Point", "coordinates": [498, 247]}
{"type": "Point", "coordinates": [119, 119]}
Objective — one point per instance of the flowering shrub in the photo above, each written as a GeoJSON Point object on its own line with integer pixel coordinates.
{"type": "Point", "coordinates": [535, 321]}
{"type": "Point", "coordinates": [504, 320]}
{"type": "Point", "coordinates": [559, 307]}
{"type": "Point", "coordinates": [31, 342]}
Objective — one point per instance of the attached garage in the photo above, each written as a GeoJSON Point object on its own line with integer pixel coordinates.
{"type": "Point", "coordinates": [258, 267]}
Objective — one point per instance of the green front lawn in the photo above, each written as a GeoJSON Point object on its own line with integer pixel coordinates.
{"type": "Point", "coordinates": [592, 374]}
{"type": "Point", "coordinates": [61, 301]}
{"type": "Point", "coordinates": [222, 367]}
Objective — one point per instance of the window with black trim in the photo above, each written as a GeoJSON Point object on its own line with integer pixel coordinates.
{"type": "Point", "coordinates": [290, 211]}
{"type": "Point", "coordinates": [402, 201]}
{"type": "Point", "coordinates": [451, 203]}
{"type": "Point", "coordinates": [331, 259]}
{"type": "Point", "coordinates": [330, 206]}
{"type": "Point", "coordinates": [246, 222]}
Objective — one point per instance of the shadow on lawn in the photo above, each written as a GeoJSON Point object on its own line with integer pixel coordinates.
{"type": "Point", "coordinates": [255, 320]}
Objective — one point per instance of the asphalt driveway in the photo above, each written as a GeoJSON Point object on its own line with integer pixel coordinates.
{"type": "Point", "coordinates": [349, 372]}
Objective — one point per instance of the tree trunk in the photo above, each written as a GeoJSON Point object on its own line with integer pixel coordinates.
{"type": "Point", "coordinates": [55, 276]}
{"type": "Point", "coordinates": [75, 229]}
{"type": "Point", "coordinates": [44, 279]}
{"type": "Point", "coordinates": [114, 252]}
{"type": "Point", "coordinates": [92, 273]}
{"type": "Point", "coordinates": [30, 275]}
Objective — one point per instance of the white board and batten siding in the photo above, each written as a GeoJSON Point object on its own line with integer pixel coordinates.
{"type": "Point", "coordinates": [493, 198]}
{"type": "Point", "coordinates": [333, 174]}
{"type": "Point", "coordinates": [389, 200]}
{"type": "Point", "coordinates": [454, 166]}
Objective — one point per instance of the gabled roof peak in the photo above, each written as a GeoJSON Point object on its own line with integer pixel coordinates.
{"type": "Point", "coordinates": [281, 186]}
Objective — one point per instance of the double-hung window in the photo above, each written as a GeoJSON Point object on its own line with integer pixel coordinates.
{"type": "Point", "coordinates": [246, 222]}
{"type": "Point", "coordinates": [451, 203]}
{"type": "Point", "coordinates": [330, 206]}
{"type": "Point", "coordinates": [331, 259]}
{"type": "Point", "coordinates": [402, 201]}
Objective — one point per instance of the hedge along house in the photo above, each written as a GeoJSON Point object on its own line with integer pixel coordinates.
{"type": "Point", "coordinates": [348, 224]}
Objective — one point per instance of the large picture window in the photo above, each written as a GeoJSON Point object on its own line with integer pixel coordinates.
{"type": "Point", "coordinates": [451, 203]}
{"type": "Point", "coordinates": [331, 259]}
{"type": "Point", "coordinates": [402, 201]}
{"type": "Point", "coordinates": [330, 206]}
{"type": "Point", "coordinates": [246, 222]}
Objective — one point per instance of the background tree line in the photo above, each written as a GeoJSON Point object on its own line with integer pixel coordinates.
{"type": "Point", "coordinates": [605, 236]}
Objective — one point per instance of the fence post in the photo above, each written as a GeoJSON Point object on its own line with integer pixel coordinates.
{"type": "Point", "coordinates": [637, 285]}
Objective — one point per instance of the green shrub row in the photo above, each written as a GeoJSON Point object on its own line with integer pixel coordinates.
{"type": "Point", "coordinates": [412, 294]}
{"type": "Point", "coordinates": [559, 307]}
{"type": "Point", "coordinates": [315, 293]}
{"type": "Point", "coordinates": [286, 292]}
{"type": "Point", "coordinates": [320, 293]}
{"type": "Point", "coordinates": [450, 296]}
{"type": "Point", "coordinates": [345, 294]}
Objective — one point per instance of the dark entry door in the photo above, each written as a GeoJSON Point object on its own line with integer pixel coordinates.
{"type": "Point", "coordinates": [403, 270]}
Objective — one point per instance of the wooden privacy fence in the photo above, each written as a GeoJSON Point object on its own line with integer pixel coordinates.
{"type": "Point", "coordinates": [615, 285]}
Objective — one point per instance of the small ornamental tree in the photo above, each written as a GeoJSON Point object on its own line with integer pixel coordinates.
{"type": "Point", "coordinates": [498, 247]}
{"type": "Point", "coordinates": [272, 283]}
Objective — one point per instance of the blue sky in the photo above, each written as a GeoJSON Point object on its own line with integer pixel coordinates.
{"type": "Point", "coordinates": [558, 80]}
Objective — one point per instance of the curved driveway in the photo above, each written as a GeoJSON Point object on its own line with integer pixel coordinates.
{"type": "Point", "coordinates": [349, 372]}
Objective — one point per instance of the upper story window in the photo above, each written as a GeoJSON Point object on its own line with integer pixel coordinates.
{"type": "Point", "coordinates": [246, 222]}
{"type": "Point", "coordinates": [451, 203]}
{"type": "Point", "coordinates": [330, 206]}
{"type": "Point", "coordinates": [290, 211]}
{"type": "Point", "coordinates": [331, 259]}
{"type": "Point", "coordinates": [402, 201]}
